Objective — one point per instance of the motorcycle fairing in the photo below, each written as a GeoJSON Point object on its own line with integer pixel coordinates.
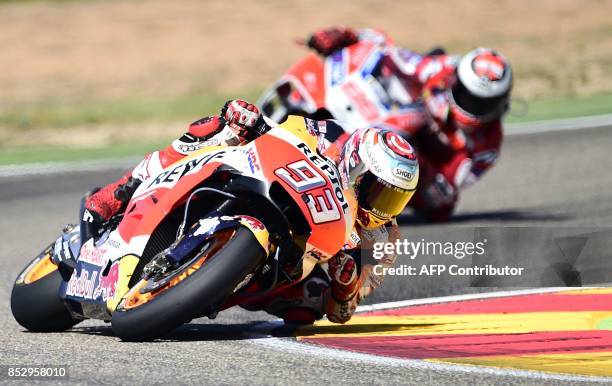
{"type": "Point", "coordinates": [105, 268]}
{"type": "Point", "coordinates": [328, 236]}
{"type": "Point", "coordinates": [344, 85]}
{"type": "Point", "coordinates": [303, 86]}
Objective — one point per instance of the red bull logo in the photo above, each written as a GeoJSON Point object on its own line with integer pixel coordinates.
{"type": "Point", "coordinates": [107, 284]}
{"type": "Point", "coordinates": [82, 285]}
{"type": "Point", "coordinates": [86, 286]}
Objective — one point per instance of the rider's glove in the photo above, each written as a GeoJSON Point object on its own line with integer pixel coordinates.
{"type": "Point", "coordinates": [343, 294]}
{"type": "Point", "coordinates": [331, 39]}
{"type": "Point", "coordinates": [110, 200]}
{"type": "Point", "coordinates": [242, 117]}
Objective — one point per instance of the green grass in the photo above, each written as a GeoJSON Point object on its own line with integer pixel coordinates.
{"type": "Point", "coordinates": [185, 108]}
{"type": "Point", "coordinates": [54, 154]}
{"type": "Point", "coordinates": [55, 114]}
{"type": "Point", "coordinates": [58, 114]}
{"type": "Point", "coordinates": [557, 108]}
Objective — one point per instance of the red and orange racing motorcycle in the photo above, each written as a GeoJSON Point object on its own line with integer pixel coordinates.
{"type": "Point", "coordinates": [222, 227]}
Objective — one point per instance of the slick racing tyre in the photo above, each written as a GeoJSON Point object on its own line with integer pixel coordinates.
{"type": "Point", "coordinates": [35, 300]}
{"type": "Point", "coordinates": [197, 287]}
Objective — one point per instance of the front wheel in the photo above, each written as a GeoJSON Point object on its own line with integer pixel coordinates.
{"type": "Point", "coordinates": [150, 310]}
{"type": "Point", "coordinates": [35, 300]}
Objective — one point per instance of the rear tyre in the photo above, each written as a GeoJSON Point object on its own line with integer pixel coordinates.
{"type": "Point", "coordinates": [201, 291]}
{"type": "Point", "coordinates": [35, 302]}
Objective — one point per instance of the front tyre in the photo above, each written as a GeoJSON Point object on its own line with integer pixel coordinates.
{"type": "Point", "coordinates": [35, 300]}
{"type": "Point", "coordinates": [204, 285]}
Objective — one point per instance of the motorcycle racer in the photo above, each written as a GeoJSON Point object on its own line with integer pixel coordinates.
{"type": "Point", "coordinates": [463, 101]}
{"type": "Point", "coordinates": [380, 167]}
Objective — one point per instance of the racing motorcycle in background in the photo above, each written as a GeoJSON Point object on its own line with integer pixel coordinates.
{"type": "Point", "coordinates": [348, 86]}
{"type": "Point", "coordinates": [222, 227]}
{"type": "Point", "coordinates": [357, 86]}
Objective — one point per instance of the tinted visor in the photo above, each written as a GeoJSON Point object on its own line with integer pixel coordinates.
{"type": "Point", "coordinates": [382, 199]}
{"type": "Point", "coordinates": [477, 106]}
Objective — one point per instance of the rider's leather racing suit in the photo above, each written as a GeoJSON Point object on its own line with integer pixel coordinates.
{"type": "Point", "coordinates": [452, 154]}
{"type": "Point", "coordinates": [335, 291]}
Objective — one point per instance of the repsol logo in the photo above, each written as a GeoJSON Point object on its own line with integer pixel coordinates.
{"type": "Point", "coordinates": [330, 170]}
{"type": "Point", "coordinates": [172, 176]}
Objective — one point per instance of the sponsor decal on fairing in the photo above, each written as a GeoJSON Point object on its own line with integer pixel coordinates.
{"type": "Point", "coordinates": [206, 225]}
{"type": "Point", "coordinates": [336, 68]}
{"type": "Point", "coordinates": [170, 177]}
{"type": "Point", "coordinates": [94, 255]}
{"type": "Point", "coordinates": [92, 284]}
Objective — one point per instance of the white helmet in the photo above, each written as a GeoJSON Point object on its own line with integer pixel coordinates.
{"type": "Point", "coordinates": [383, 169]}
{"type": "Point", "coordinates": [481, 92]}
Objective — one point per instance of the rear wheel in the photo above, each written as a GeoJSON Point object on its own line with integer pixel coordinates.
{"type": "Point", "coordinates": [153, 308]}
{"type": "Point", "coordinates": [35, 300]}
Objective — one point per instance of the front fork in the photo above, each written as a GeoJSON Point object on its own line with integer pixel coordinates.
{"type": "Point", "coordinates": [68, 245]}
{"type": "Point", "coordinates": [66, 250]}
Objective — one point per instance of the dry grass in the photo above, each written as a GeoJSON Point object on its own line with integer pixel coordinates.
{"type": "Point", "coordinates": [100, 50]}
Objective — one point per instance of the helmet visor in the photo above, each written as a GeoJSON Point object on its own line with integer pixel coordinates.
{"type": "Point", "coordinates": [475, 105]}
{"type": "Point", "coordinates": [380, 198]}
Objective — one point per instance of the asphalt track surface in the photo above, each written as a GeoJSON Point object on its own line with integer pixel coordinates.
{"type": "Point", "coordinates": [549, 179]}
